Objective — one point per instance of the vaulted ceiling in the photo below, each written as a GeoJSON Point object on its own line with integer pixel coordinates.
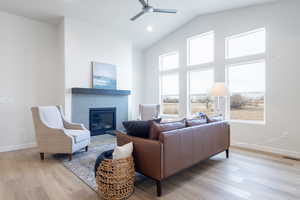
{"type": "Point", "coordinates": [116, 14]}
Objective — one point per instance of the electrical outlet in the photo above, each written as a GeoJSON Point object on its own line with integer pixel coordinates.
{"type": "Point", "coordinates": [285, 133]}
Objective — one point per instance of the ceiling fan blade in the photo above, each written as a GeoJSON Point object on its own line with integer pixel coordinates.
{"type": "Point", "coordinates": [165, 10]}
{"type": "Point", "coordinates": [143, 2]}
{"type": "Point", "coordinates": [137, 16]}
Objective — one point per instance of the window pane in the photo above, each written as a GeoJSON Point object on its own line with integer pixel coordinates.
{"type": "Point", "coordinates": [201, 49]}
{"type": "Point", "coordinates": [247, 86]}
{"type": "Point", "coordinates": [250, 43]}
{"type": "Point", "coordinates": [170, 105]}
{"type": "Point", "coordinates": [170, 94]}
{"type": "Point", "coordinates": [200, 83]}
{"type": "Point", "coordinates": [170, 84]}
{"type": "Point", "coordinates": [169, 61]}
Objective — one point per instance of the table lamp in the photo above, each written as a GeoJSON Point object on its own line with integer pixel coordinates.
{"type": "Point", "coordinates": [219, 90]}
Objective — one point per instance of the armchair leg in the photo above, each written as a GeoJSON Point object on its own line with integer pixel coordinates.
{"type": "Point", "coordinates": [158, 188]}
{"type": "Point", "coordinates": [86, 148]}
{"type": "Point", "coordinates": [70, 157]}
{"type": "Point", "coordinates": [42, 155]}
{"type": "Point", "coordinates": [227, 153]}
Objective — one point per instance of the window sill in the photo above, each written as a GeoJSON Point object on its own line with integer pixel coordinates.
{"type": "Point", "coordinates": [248, 122]}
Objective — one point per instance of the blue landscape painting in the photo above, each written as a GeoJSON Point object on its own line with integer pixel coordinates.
{"type": "Point", "coordinates": [104, 76]}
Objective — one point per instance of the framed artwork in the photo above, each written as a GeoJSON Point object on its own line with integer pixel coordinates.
{"type": "Point", "coordinates": [104, 76]}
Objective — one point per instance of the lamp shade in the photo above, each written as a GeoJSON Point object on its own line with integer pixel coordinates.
{"type": "Point", "coordinates": [219, 90]}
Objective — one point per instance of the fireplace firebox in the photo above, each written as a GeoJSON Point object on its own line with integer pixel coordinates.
{"type": "Point", "coordinates": [102, 120]}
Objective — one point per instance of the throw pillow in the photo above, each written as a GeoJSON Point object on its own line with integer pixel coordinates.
{"type": "Point", "coordinates": [139, 128]}
{"type": "Point", "coordinates": [215, 119]}
{"type": "Point", "coordinates": [156, 128]}
{"type": "Point", "coordinates": [123, 151]}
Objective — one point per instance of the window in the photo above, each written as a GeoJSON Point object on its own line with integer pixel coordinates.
{"type": "Point", "coordinates": [246, 77]}
{"type": "Point", "coordinates": [169, 83]}
{"type": "Point", "coordinates": [170, 94]}
{"type": "Point", "coordinates": [200, 81]}
{"type": "Point", "coordinates": [169, 61]}
{"type": "Point", "coordinates": [250, 43]}
{"type": "Point", "coordinates": [201, 49]}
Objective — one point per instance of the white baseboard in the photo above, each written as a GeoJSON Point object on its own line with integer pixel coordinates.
{"type": "Point", "coordinates": [17, 147]}
{"type": "Point", "coordinates": [293, 154]}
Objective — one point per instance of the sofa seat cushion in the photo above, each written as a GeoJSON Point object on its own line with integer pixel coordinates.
{"type": "Point", "coordinates": [157, 128]}
{"type": "Point", "coordinates": [78, 135]}
{"type": "Point", "coordinates": [139, 128]}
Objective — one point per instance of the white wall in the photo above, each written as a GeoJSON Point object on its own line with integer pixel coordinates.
{"type": "Point", "coordinates": [84, 43]}
{"type": "Point", "coordinates": [40, 63]}
{"type": "Point", "coordinates": [281, 133]}
{"type": "Point", "coordinates": [137, 81]}
{"type": "Point", "coordinates": [28, 77]}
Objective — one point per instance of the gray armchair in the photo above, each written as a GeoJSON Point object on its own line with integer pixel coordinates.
{"type": "Point", "coordinates": [54, 134]}
{"type": "Point", "coordinates": [149, 111]}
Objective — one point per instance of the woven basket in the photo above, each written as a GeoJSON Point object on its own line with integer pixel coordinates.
{"type": "Point", "coordinates": [115, 178]}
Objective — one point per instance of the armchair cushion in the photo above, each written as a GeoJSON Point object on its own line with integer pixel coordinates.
{"type": "Point", "coordinates": [78, 135]}
{"type": "Point", "coordinates": [51, 116]}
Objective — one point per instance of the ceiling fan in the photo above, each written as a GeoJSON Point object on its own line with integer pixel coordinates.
{"type": "Point", "coordinates": [149, 9]}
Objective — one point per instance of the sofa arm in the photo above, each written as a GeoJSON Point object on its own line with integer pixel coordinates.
{"type": "Point", "coordinates": [147, 155]}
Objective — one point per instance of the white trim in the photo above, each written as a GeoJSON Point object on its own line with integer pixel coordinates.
{"type": "Point", "coordinates": [256, 122]}
{"type": "Point", "coordinates": [17, 147]}
{"type": "Point", "coordinates": [293, 154]}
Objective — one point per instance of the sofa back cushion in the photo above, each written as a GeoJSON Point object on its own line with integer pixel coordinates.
{"type": "Point", "coordinates": [157, 128]}
{"type": "Point", "coordinates": [139, 128]}
{"type": "Point", "coordinates": [196, 122]}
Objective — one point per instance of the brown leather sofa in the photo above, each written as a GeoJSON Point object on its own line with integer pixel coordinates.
{"type": "Point", "coordinates": [177, 149]}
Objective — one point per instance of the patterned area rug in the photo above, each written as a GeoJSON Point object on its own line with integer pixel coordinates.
{"type": "Point", "coordinates": [82, 164]}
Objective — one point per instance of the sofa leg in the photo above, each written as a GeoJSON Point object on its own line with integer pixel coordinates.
{"type": "Point", "coordinates": [158, 188]}
{"type": "Point", "coordinates": [86, 148]}
{"type": "Point", "coordinates": [42, 155]}
{"type": "Point", "coordinates": [227, 153]}
{"type": "Point", "coordinates": [70, 157]}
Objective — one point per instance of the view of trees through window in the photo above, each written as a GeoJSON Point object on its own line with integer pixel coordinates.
{"type": "Point", "coordinates": [247, 86]}
{"type": "Point", "coordinates": [169, 83]}
{"type": "Point", "coordinates": [200, 83]}
{"type": "Point", "coordinates": [170, 105]}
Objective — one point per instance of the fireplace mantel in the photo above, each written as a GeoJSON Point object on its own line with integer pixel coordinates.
{"type": "Point", "coordinates": [94, 91]}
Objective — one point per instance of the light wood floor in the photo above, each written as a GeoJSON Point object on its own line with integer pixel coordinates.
{"type": "Point", "coordinates": [245, 175]}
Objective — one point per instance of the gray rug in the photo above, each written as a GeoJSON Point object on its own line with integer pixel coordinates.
{"type": "Point", "coordinates": [82, 164]}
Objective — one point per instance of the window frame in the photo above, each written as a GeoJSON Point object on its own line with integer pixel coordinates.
{"type": "Point", "coordinates": [228, 109]}
{"type": "Point", "coordinates": [188, 48]}
{"type": "Point", "coordinates": [165, 73]}
{"type": "Point", "coordinates": [246, 59]}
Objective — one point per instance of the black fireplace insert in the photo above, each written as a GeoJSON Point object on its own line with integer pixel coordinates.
{"type": "Point", "coordinates": [102, 120]}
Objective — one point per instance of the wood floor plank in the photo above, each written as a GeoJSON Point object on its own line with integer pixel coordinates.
{"type": "Point", "coordinates": [245, 175]}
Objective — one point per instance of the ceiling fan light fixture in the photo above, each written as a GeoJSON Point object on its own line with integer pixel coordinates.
{"type": "Point", "coordinates": [149, 28]}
